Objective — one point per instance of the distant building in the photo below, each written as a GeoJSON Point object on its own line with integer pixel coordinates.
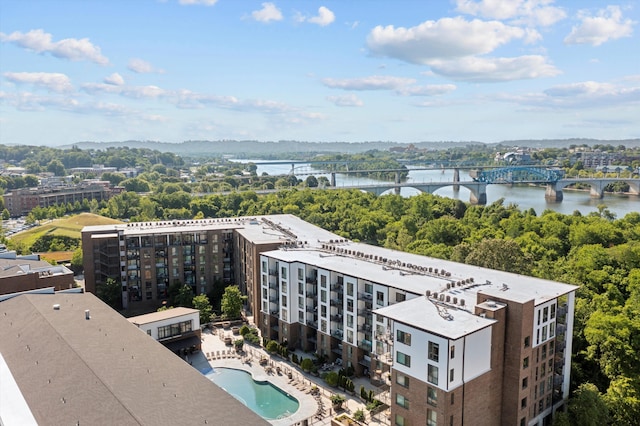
{"type": "Point", "coordinates": [18, 273]}
{"type": "Point", "coordinates": [177, 328]}
{"type": "Point", "coordinates": [22, 201]}
{"type": "Point", "coordinates": [96, 169]}
{"type": "Point", "coordinates": [69, 359]}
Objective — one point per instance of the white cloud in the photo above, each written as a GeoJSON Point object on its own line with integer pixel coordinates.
{"type": "Point", "coordinates": [134, 92]}
{"type": "Point", "coordinates": [324, 17]}
{"type": "Point", "coordinates": [608, 24]}
{"type": "Point", "coordinates": [198, 2]}
{"type": "Point", "coordinates": [585, 95]}
{"type": "Point", "coordinates": [350, 100]}
{"type": "Point", "coordinates": [114, 79]}
{"type": "Point", "coordinates": [141, 66]}
{"type": "Point", "coordinates": [442, 39]}
{"type": "Point", "coordinates": [55, 82]}
{"type": "Point", "coordinates": [268, 13]}
{"type": "Point", "coordinates": [375, 82]}
{"type": "Point", "coordinates": [70, 48]}
{"type": "Point", "coordinates": [428, 90]}
{"type": "Point", "coordinates": [532, 12]}
{"type": "Point", "coordinates": [486, 70]}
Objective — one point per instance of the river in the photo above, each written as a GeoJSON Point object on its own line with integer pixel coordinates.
{"type": "Point", "coordinates": [525, 197]}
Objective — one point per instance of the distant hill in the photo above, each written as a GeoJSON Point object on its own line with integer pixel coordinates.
{"type": "Point", "coordinates": [253, 148]}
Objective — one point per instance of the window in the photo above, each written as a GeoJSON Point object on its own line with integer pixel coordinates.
{"type": "Point", "coordinates": [350, 305]}
{"type": "Point", "coordinates": [349, 289]}
{"type": "Point", "coordinates": [323, 326]}
{"type": "Point", "coordinates": [525, 362]}
{"type": "Point", "coordinates": [540, 405]}
{"type": "Point", "coordinates": [400, 297]}
{"type": "Point", "coordinates": [283, 273]}
{"type": "Point", "coordinates": [544, 351]}
{"type": "Point", "coordinates": [544, 333]}
{"type": "Point", "coordinates": [399, 420]}
{"type": "Point", "coordinates": [523, 403]}
{"type": "Point", "coordinates": [451, 375]}
{"type": "Point", "coordinates": [552, 329]}
{"type": "Point", "coordinates": [379, 298]}
{"type": "Point", "coordinates": [402, 401]}
{"type": "Point", "coordinates": [323, 281]}
{"type": "Point", "coordinates": [541, 391]}
{"type": "Point", "coordinates": [434, 351]}
{"type": "Point", "coordinates": [300, 288]}
{"type": "Point", "coordinates": [452, 351]}
{"type": "Point", "coordinates": [323, 296]}
{"type": "Point", "coordinates": [403, 359]}
{"type": "Point", "coordinates": [543, 370]}
{"type": "Point", "coordinates": [527, 341]}
{"type": "Point", "coordinates": [300, 302]}
{"type": "Point", "coordinates": [284, 301]}
{"type": "Point", "coordinates": [523, 421]}
{"type": "Point", "coordinates": [323, 311]}
{"type": "Point", "coordinates": [432, 376]}
{"type": "Point", "coordinates": [301, 316]}
{"type": "Point", "coordinates": [432, 396]}
{"type": "Point", "coordinates": [149, 332]}
{"type": "Point", "coordinates": [545, 314]}
{"type": "Point", "coordinates": [300, 273]}
{"type": "Point", "coordinates": [553, 311]}
{"type": "Point", "coordinates": [349, 336]}
{"type": "Point", "coordinates": [453, 399]}
{"type": "Point", "coordinates": [349, 320]}
{"type": "Point", "coordinates": [402, 380]}
{"type": "Point", "coordinates": [403, 337]}
{"type": "Point", "coordinates": [525, 383]}
{"type": "Point", "coordinates": [368, 288]}
{"type": "Point", "coordinates": [432, 418]}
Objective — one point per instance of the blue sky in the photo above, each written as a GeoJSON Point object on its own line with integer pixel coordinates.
{"type": "Point", "coordinates": [356, 70]}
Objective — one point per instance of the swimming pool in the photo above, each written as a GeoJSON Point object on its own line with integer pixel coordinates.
{"type": "Point", "coordinates": [265, 399]}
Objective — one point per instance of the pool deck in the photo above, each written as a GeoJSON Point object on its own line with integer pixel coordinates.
{"type": "Point", "coordinates": [316, 409]}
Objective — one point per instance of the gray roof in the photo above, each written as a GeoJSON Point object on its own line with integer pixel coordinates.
{"type": "Point", "coordinates": [103, 370]}
{"type": "Point", "coordinates": [162, 315]}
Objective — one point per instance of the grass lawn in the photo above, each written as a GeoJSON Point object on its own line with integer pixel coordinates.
{"type": "Point", "coordinates": [66, 226]}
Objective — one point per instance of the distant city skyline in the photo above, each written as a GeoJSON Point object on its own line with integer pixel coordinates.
{"type": "Point", "coordinates": [349, 71]}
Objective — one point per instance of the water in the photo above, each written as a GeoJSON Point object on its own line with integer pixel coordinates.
{"type": "Point", "coordinates": [525, 197]}
{"type": "Point", "coordinates": [263, 398]}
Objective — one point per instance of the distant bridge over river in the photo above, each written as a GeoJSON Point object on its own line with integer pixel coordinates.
{"type": "Point", "coordinates": [551, 177]}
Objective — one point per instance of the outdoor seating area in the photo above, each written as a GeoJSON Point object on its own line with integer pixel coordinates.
{"type": "Point", "coordinates": [228, 353]}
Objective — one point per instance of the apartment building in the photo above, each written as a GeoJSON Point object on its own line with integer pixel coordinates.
{"type": "Point", "coordinates": [455, 343]}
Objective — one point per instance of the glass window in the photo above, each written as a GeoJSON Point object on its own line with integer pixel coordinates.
{"type": "Point", "coordinates": [400, 297]}
{"type": "Point", "coordinates": [527, 341]}
{"type": "Point", "coordinates": [432, 374]}
{"type": "Point", "coordinates": [300, 273]}
{"type": "Point", "coordinates": [525, 362]}
{"type": "Point", "coordinates": [300, 288]}
{"type": "Point", "coordinates": [379, 297]}
{"type": "Point", "coordinates": [545, 314]}
{"type": "Point", "coordinates": [544, 333]}
{"type": "Point", "coordinates": [400, 420]}
{"type": "Point", "coordinates": [453, 352]}
{"type": "Point", "coordinates": [403, 359]}
{"type": "Point", "coordinates": [323, 296]}
{"type": "Point", "coordinates": [432, 396]}
{"type": "Point", "coordinates": [432, 418]}
{"type": "Point", "coordinates": [403, 337]}
{"type": "Point", "coordinates": [451, 375]}
{"type": "Point", "coordinates": [349, 336]}
{"type": "Point", "coordinates": [349, 289]}
{"type": "Point", "coordinates": [434, 351]}
{"type": "Point", "coordinates": [402, 401]}
{"type": "Point", "coordinates": [323, 281]}
{"type": "Point", "coordinates": [402, 380]}
{"type": "Point", "coordinates": [523, 403]}
{"type": "Point", "coordinates": [553, 311]}
{"type": "Point", "coordinates": [552, 329]}
{"type": "Point", "coordinates": [368, 288]}
{"type": "Point", "coordinates": [284, 301]}
{"type": "Point", "coordinates": [349, 320]}
{"type": "Point", "coordinates": [350, 305]}
{"type": "Point", "coordinates": [283, 272]}
{"type": "Point", "coordinates": [525, 383]}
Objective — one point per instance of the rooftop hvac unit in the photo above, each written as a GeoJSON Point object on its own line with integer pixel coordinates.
{"type": "Point", "coordinates": [448, 298]}
{"type": "Point", "coordinates": [455, 300]}
{"type": "Point", "coordinates": [428, 293]}
{"type": "Point", "coordinates": [461, 302]}
{"type": "Point", "coordinates": [441, 298]}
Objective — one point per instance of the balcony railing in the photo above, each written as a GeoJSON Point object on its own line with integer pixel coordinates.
{"type": "Point", "coordinates": [365, 296]}
{"type": "Point", "coordinates": [365, 345]}
{"type": "Point", "coordinates": [364, 328]}
{"type": "Point", "coordinates": [337, 334]}
{"type": "Point", "coordinates": [336, 318]}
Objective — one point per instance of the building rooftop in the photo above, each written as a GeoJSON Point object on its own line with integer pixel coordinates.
{"type": "Point", "coordinates": [417, 274]}
{"type": "Point", "coordinates": [102, 370]}
{"type": "Point", "coordinates": [426, 314]}
{"type": "Point", "coordinates": [162, 315]}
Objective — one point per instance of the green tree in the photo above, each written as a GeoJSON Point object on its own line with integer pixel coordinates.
{"type": "Point", "coordinates": [56, 167]}
{"type": "Point", "coordinates": [184, 297]}
{"type": "Point", "coordinates": [110, 293]}
{"type": "Point", "coordinates": [5, 214]}
{"type": "Point", "coordinates": [201, 303]}
{"type": "Point", "coordinates": [76, 261]}
{"type": "Point", "coordinates": [232, 300]}
{"type": "Point", "coordinates": [587, 407]}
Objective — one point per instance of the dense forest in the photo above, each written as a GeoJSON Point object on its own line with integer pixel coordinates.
{"type": "Point", "coordinates": [598, 252]}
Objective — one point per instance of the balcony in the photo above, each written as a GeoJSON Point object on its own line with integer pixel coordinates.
{"type": "Point", "coordinates": [364, 328]}
{"type": "Point", "coordinates": [365, 296]}
{"type": "Point", "coordinates": [311, 280]}
{"type": "Point", "coordinates": [336, 287]}
{"type": "Point", "coordinates": [273, 299]}
{"type": "Point", "coordinates": [337, 334]}
{"type": "Point", "coordinates": [311, 308]}
{"type": "Point", "coordinates": [365, 345]}
{"type": "Point", "coordinates": [313, 324]}
{"type": "Point", "coordinates": [335, 302]}
{"type": "Point", "coordinates": [337, 350]}
{"type": "Point", "coordinates": [336, 318]}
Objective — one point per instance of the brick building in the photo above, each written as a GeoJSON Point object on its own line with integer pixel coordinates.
{"type": "Point", "coordinates": [456, 344]}
{"type": "Point", "coordinates": [19, 274]}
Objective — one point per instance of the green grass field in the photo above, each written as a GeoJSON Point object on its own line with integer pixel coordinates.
{"type": "Point", "coordinates": [67, 226]}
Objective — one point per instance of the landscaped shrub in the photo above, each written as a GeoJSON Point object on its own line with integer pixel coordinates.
{"type": "Point", "coordinates": [306, 364]}
{"type": "Point", "coordinates": [272, 346]}
{"type": "Point", "coordinates": [244, 330]}
{"type": "Point", "coordinates": [358, 415]}
{"type": "Point", "coordinates": [294, 358]}
{"type": "Point", "coordinates": [332, 378]}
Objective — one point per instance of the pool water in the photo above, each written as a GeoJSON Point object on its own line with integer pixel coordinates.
{"type": "Point", "coordinates": [265, 399]}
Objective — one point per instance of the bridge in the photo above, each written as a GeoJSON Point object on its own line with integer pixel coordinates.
{"type": "Point", "coordinates": [551, 177]}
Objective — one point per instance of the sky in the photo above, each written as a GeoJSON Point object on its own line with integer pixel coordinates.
{"type": "Point", "coordinates": [318, 71]}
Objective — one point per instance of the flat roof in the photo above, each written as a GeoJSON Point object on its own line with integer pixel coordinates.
{"type": "Point", "coordinates": [162, 315]}
{"type": "Point", "coordinates": [425, 314]}
{"type": "Point", "coordinates": [410, 272]}
{"type": "Point", "coordinates": [103, 370]}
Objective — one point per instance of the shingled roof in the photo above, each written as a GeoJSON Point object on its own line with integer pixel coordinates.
{"type": "Point", "coordinates": [103, 370]}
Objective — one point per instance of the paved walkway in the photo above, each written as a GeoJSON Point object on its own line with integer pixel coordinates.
{"type": "Point", "coordinates": [315, 409]}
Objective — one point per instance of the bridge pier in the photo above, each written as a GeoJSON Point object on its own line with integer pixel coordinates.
{"type": "Point", "coordinates": [597, 190]}
{"type": "Point", "coordinates": [552, 193]}
{"type": "Point", "coordinates": [333, 179]}
{"type": "Point", "coordinates": [478, 193]}
{"type": "Point", "coordinates": [456, 178]}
